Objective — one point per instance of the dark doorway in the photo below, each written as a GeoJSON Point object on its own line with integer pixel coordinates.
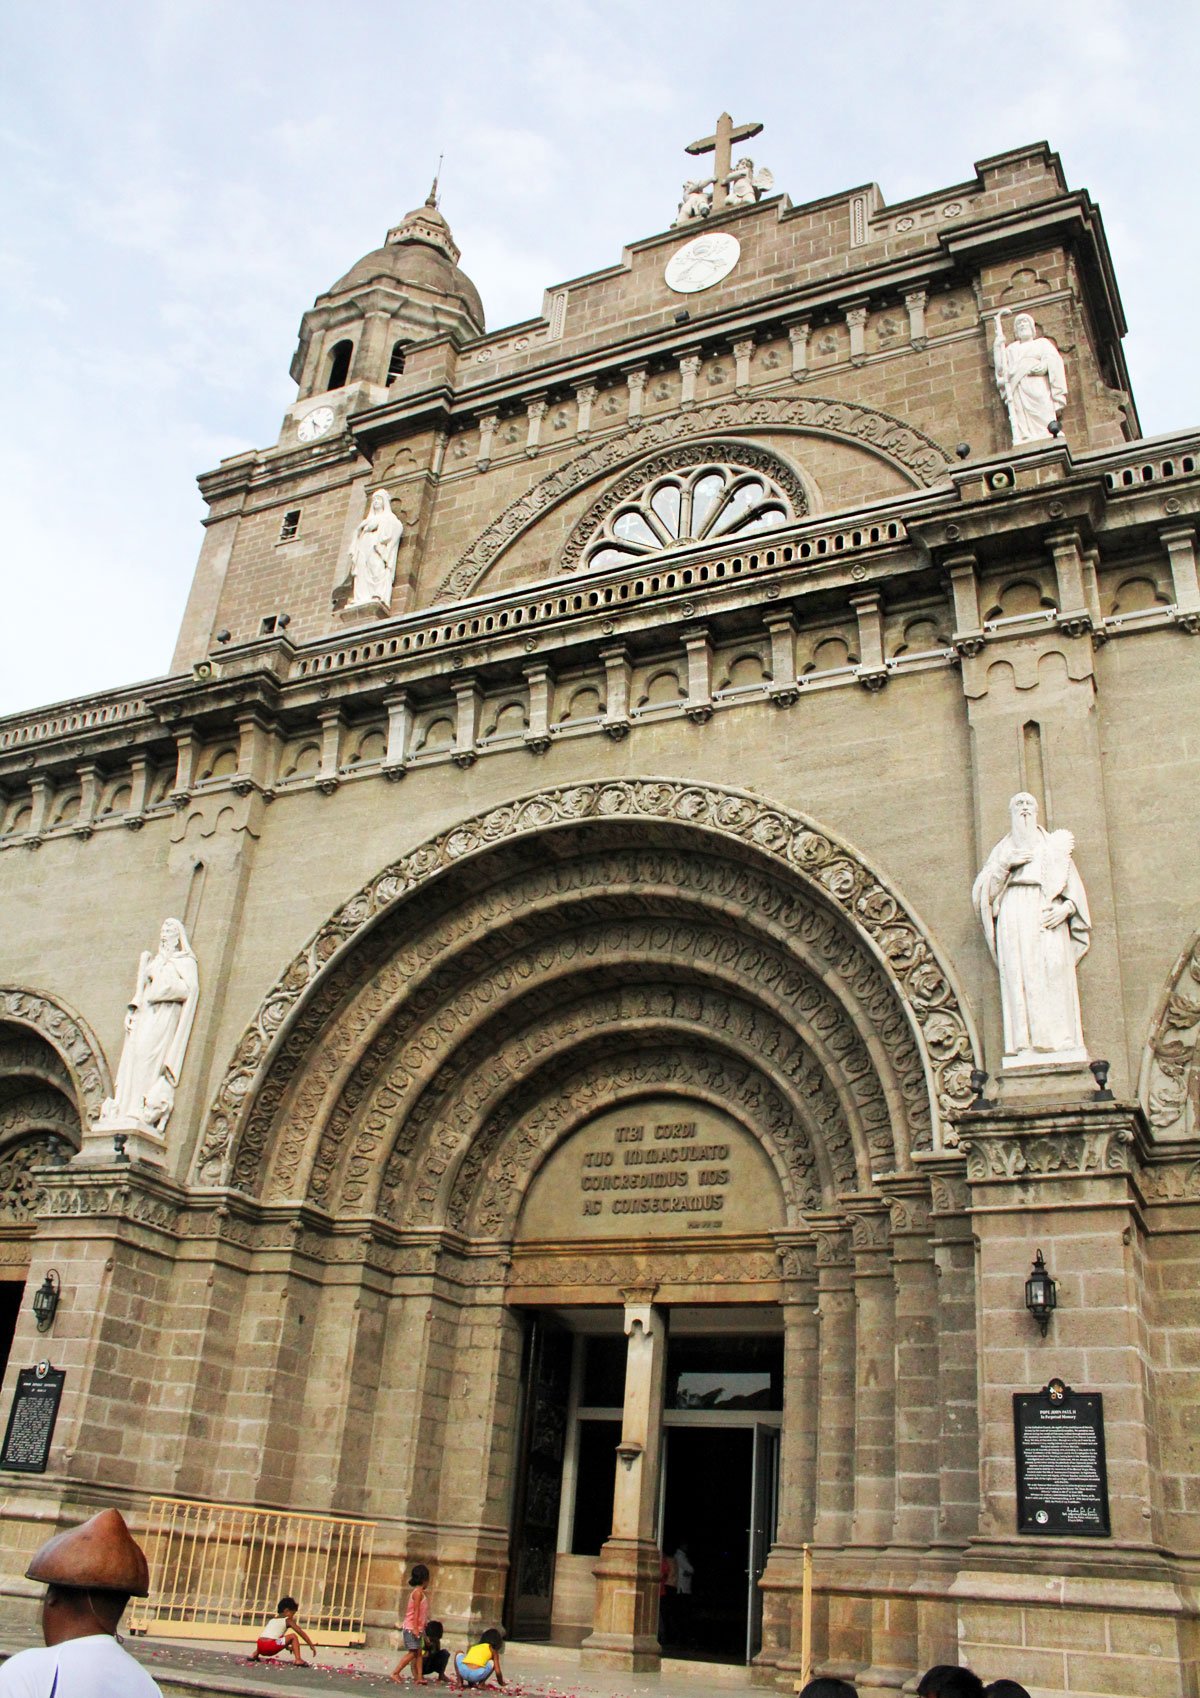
{"type": "Point", "coordinates": [545, 1392]}
{"type": "Point", "coordinates": [707, 1508]}
{"type": "Point", "coordinates": [11, 1293]}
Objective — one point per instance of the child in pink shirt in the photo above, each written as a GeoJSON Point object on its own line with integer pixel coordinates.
{"type": "Point", "coordinates": [415, 1618]}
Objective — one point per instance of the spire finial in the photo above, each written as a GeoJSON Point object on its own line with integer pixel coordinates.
{"type": "Point", "coordinates": [432, 198]}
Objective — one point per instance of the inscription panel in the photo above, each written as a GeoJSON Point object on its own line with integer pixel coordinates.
{"type": "Point", "coordinates": [654, 1168]}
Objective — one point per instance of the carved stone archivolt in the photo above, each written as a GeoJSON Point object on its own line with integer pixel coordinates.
{"type": "Point", "coordinates": [762, 862]}
{"type": "Point", "coordinates": [1169, 1087]}
{"type": "Point", "coordinates": [69, 1036]}
{"type": "Point", "coordinates": [908, 449]}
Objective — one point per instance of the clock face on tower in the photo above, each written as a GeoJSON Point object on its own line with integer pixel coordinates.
{"type": "Point", "coordinates": [315, 424]}
{"type": "Point", "coordinates": [700, 264]}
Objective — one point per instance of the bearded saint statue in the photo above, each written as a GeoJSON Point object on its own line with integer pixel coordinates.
{"type": "Point", "coordinates": [1031, 376]}
{"type": "Point", "coordinates": [1032, 905]}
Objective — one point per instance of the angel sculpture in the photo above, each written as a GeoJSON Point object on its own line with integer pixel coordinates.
{"type": "Point", "coordinates": [696, 202]}
{"type": "Point", "coordinates": [744, 185]}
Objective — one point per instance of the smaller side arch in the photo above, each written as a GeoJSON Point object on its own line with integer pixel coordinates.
{"type": "Point", "coordinates": [69, 1035]}
{"type": "Point", "coordinates": [1169, 1081]}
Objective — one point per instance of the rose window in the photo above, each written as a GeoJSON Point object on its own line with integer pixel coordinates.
{"type": "Point", "coordinates": [709, 504]}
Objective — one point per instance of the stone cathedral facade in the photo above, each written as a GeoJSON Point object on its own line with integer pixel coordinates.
{"type": "Point", "coordinates": [569, 1116]}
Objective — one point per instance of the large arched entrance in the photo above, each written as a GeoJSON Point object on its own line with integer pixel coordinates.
{"type": "Point", "coordinates": [522, 1007]}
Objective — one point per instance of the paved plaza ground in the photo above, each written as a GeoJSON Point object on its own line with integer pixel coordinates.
{"type": "Point", "coordinates": [540, 1671]}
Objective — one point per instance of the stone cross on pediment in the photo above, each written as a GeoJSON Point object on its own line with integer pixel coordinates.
{"type": "Point", "coordinates": [721, 146]}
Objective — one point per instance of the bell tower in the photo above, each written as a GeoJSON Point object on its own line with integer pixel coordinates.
{"type": "Point", "coordinates": [353, 338]}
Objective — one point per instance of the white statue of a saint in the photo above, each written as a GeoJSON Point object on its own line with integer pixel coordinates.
{"type": "Point", "coordinates": [158, 1023]}
{"type": "Point", "coordinates": [696, 202]}
{"type": "Point", "coordinates": [1031, 376]}
{"type": "Point", "coordinates": [1031, 902]}
{"type": "Point", "coordinates": [373, 553]}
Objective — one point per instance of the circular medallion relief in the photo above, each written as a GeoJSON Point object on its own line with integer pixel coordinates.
{"type": "Point", "coordinates": [315, 424]}
{"type": "Point", "coordinates": [699, 264]}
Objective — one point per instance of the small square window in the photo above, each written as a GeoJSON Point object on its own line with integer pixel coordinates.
{"type": "Point", "coordinates": [290, 525]}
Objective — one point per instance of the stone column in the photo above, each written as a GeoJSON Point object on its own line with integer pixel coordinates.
{"type": "Point", "coordinates": [625, 1632]}
{"type": "Point", "coordinates": [636, 381]}
{"type": "Point", "coordinates": [798, 335]}
{"type": "Point", "coordinates": [618, 672]}
{"type": "Point", "coordinates": [187, 752]}
{"type": "Point", "coordinates": [139, 768]}
{"type": "Point", "coordinates": [782, 626]}
{"type": "Point", "coordinates": [875, 1380]}
{"type": "Point", "coordinates": [835, 1391]}
{"type": "Point", "coordinates": [743, 353]}
{"type": "Point", "coordinates": [468, 699]}
{"type": "Point", "coordinates": [541, 682]}
{"type": "Point", "coordinates": [871, 671]}
{"type": "Point", "coordinates": [964, 591]}
{"type": "Point", "coordinates": [1180, 544]}
{"type": "Point", "coordinates": [89, 799]}
{"type": "Point", "coordinates": [689, 370]}
{"type": "Point", "coordinates": [331, 749]}
{"type": "Point", "coordinates": [254, 751]}
{"type": "Point", "coordinates": [1074, 616]}
{"type": "Point", "coordinates": [536, 412]}
{"type": "Point", "coordinates": [856, 323]}
{"type": "Point", "coordinates": [42, 791]}
{"type": "Point", "coordinates": [487, 430]}
{"type": "Point", "coordinates": [698, 644]}
{"type": "Point", "coordinates": [1067, 1178]}
{"type": "Point", "coordinates": [914, 1277]}
{"type": "Point", "coordinates": [914, 302]}
{"type": "Point", "coordinates": [585, 396]}
{"type": "Point", "coordinates": [782, 1581]}
{"type": "Point", "coordinates": [399, 712]}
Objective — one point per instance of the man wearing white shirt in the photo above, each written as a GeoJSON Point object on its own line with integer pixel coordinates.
{"type": "Point", "coordinates": [90, 1573]}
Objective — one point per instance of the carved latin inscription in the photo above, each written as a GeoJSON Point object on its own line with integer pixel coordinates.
{"type": "Point", "coordinates": [657, 1167]}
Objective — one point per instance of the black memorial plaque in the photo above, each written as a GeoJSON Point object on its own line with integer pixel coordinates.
{"type": "Point", "coordinates": [1062, 1476]}
{"type": "Point", "coordinates": [31, 1419]}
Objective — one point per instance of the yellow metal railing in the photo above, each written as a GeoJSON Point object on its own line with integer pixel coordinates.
{"type": "Point", "coordinates": [217, 1571]}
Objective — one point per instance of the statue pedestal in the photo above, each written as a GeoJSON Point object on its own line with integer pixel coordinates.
{"type": "Point", "coordinates": [1066, 1079]}
{"type": "Point", "coordinates": [141, 1144]}
{"type": "Point", "coordinates": [359, 612]}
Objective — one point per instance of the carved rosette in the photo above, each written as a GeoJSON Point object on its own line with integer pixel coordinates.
{"type": "Point", "coordinates": [909, 449]}
{"type": "Point", "coordinates": [939, 1021]}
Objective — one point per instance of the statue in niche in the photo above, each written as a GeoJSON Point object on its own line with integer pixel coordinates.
{"type": "Point", "coordinates": [158, 1023]}
{"type": "Point", "coordinates": [373, 554]}
{"type": "Point", "coordinates": [1031, 902]}
{"type": "Point", "coordinates": [1031, 376]}
{"type": "Point", "coordinates": [696, 202]}
{"type": "Point", "coordinates": [745, 185]}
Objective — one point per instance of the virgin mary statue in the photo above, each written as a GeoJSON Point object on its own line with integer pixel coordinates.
{"type": "Point", "coordinates": [158, 1023]}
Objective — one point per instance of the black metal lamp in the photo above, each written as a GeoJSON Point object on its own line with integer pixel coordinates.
{"type": "Point", "coordinates": [45, 1300]}
{"type": "Point", "coordinates": [1041, 1293]}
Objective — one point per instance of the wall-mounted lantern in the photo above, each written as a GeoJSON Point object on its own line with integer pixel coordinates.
{"type": "Point", "coordinates": [1041, 1293]}
{"type": "Point", "coordinates": [45, 1300]}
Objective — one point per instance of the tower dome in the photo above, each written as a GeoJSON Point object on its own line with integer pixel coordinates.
{"type": "Point", "coordinates": [407, 290]}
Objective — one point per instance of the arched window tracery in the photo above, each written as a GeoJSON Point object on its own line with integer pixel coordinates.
{"type": "Point", "coordinates": [708, 503]}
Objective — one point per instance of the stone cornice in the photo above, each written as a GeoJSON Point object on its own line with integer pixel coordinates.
{"type": "Point", "coordinates": [1014, 1144]}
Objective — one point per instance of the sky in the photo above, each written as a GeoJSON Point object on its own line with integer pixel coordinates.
{"type": "Point", "coordinates": [180, 178]}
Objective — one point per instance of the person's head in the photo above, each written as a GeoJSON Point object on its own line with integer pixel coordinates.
{"type": "Point", "coordinates": [947, 1680]}
{"type": "Point", "coordinates": [90, 1573]}
{"type": "Point", "coordinates": [285, 1606]}
{"type": "Point", "coordinates": [419, 1575]}
{"type": "Point", "coordinates": [1023, 810]}
{"type": "Point", "coordinates": [494, 1638]}
{"type": "Point", "coordinates": [1024, 329]}
{"type": "Point", "coordinates": [1005, 1689]}
{"type": "Point", "coordinates": [828, 1686]}
{"type": "Point", "coordinates": [434, 1631]}
{"type": "Point", "coordinates": [172, 939]}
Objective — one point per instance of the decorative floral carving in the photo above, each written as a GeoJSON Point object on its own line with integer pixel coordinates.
{"type": "Point", "coordinates": [1176, 1182]}
{"type": "Point", "coordinates": [1047, 1153]}
{"type": "Point", "coordinates": [1170, 1083]}
{"type": "Point", "coordinates": [914, 973]}
{"type": "Point", "coordinates": [614, 1270]}
{"type": "Point", "coordinates": [901, 443]}
{"type": "Point", "coordinates": [22, 1192]}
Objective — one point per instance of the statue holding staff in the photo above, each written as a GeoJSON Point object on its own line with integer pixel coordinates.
{"type": "Point", "coordinates": [158, 1023]}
